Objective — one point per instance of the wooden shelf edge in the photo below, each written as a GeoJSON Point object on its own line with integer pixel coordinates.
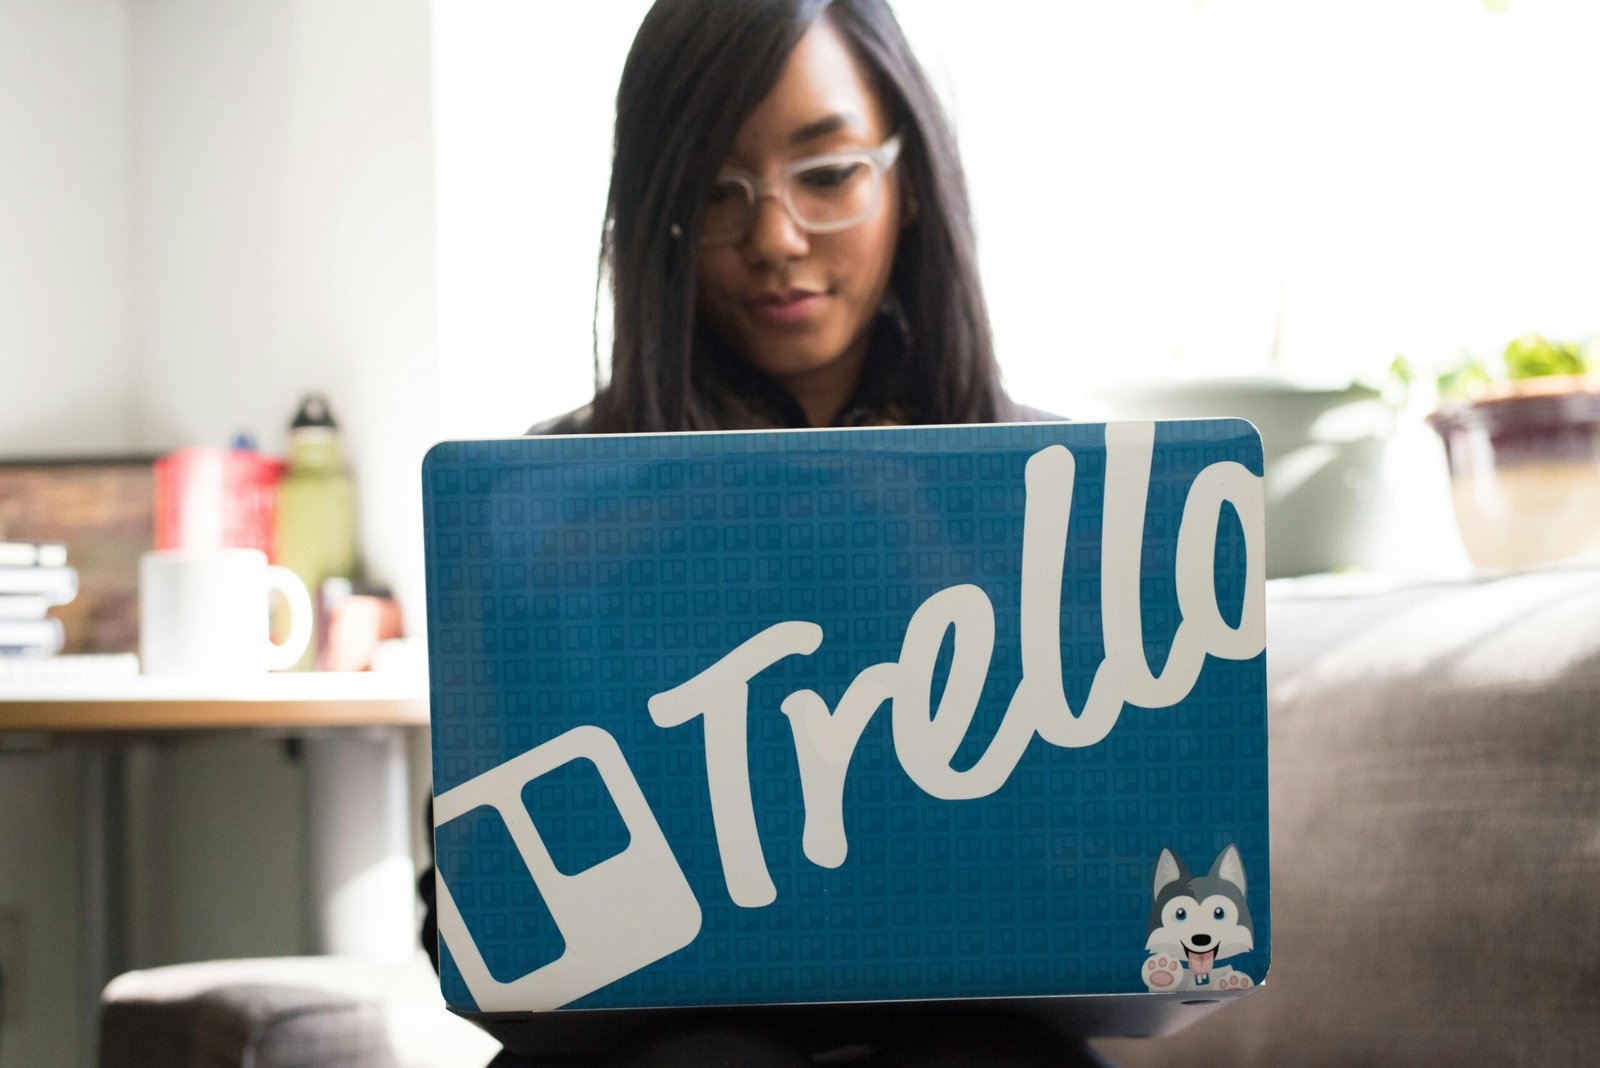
{"type": "Point", "coordinates": [152, 704]}
{"type": "Point", "coordinates": [74, 717]}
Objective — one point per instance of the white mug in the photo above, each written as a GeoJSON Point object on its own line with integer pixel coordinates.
{"type": "Point", "coordinates": [205, 612]}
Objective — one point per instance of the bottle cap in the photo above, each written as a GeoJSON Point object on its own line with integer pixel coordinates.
{"type": "Point", "coordinates": [314, 412]}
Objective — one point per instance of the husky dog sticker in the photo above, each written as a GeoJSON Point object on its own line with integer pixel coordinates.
{"type": "Point", "coordinates": [1196, 922]}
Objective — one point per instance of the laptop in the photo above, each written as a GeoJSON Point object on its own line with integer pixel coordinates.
{"type": "Point", "coordinates": [835, 727]}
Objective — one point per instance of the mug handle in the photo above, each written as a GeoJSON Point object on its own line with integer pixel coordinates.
{"type": "Point", "coordinates": [285, 654]}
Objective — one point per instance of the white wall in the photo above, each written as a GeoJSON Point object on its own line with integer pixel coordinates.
{"type": "Point", "coordinates": [65, 353]}
{"type": "Point", "coordinates": [524, 104]}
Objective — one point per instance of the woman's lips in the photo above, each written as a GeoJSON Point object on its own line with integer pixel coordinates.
{"type": "Point", "coordinates": [788, 308]}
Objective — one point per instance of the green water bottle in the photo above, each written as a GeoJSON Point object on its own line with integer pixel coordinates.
{"type": "Point", "coordinates": [316, 522]}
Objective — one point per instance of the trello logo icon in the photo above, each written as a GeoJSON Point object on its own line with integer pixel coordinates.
{"type": "Point", "coordinates": [609, 930]}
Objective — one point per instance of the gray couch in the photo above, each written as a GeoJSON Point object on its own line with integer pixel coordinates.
{"type": "Point", "coordinates": [1435, 792]}
{"type": "Point", "coordinates": [1435, 795]}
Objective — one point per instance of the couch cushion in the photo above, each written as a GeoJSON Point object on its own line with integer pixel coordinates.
{"type": "Point", "coordinates": [1435, 813]}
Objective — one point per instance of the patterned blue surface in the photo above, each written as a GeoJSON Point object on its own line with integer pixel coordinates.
{"type": "Point", "coordinates": [569, 579]}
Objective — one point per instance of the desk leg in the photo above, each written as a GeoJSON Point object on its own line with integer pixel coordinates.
{"type": "Point", "coordinates": [363, 894]}
{"type": "Point", "coordinates": [105, 925]}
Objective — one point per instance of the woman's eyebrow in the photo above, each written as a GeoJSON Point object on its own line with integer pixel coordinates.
{"type": "Point", "coordinates": [822, 127]}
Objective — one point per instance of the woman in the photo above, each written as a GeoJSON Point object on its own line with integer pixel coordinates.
{"type": "Point", "coordinates": [788, 244]}
{"type": "Point", "coordinates": [787, 236]}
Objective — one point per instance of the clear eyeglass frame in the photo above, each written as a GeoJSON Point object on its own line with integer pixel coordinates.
{"type": "Point", "coordinates": [879, 160]}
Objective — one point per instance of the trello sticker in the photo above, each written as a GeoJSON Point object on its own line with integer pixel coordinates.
{"type": "Point", "coordinates": [675, 713]}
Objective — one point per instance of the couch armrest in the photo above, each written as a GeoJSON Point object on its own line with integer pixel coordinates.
{"type": "Point", "coordinates": [248, 1025]}
{"type": "Point", "coordinates": [285, 1012]}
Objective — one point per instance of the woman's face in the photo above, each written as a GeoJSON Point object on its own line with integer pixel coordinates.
{"type": "Point", "coordinates": [798, 305]}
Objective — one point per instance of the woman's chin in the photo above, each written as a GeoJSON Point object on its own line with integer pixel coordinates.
{"type": "Point", "coordinates": [788, 365]}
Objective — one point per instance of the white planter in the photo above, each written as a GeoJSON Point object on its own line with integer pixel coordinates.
{"type": "Point", "coordinates": [1324, 458]}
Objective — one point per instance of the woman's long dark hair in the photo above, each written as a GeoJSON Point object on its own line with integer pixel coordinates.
{"type": "Point", "coordinates": [697, 69]}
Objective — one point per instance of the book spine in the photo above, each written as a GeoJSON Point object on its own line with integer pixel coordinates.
{"type": "Point", "coordinates": [32, 637]}
{"type": "Point", "coordinates": [33, 554]}
{"type": "Point", "coordinates": [23, 606]}
{"type": "Point", "coordinates": [58, 585]}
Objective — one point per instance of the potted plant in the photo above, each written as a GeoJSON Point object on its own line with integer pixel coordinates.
{"type": "Point", "coordinates": [1522, 437]}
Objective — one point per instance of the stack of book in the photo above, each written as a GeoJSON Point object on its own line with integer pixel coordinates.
{"type": "Point", "coordinates": [34, 577]}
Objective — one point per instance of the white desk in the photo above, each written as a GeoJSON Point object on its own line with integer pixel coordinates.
{"type": "Point", "coordinates": [356, 785]}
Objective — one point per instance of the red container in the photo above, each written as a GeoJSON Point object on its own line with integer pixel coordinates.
{"type": "Point", "coordinates": [210, 498]}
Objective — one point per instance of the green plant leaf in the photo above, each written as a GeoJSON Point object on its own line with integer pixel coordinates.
{"type": "Point", "coordinates": [1466, 379]}
{"type": "Point", "coordinates": [1533, 356]}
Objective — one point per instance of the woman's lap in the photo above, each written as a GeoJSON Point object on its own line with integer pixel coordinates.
{"type": "Point", "coordinates": [980, 1041]}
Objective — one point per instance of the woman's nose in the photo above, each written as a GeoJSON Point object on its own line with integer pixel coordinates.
{"type": "Point", "coordinates": [774, 235]}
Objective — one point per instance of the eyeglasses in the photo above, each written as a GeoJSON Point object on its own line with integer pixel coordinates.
{"type": "Point", "coordinates": [823, 194]}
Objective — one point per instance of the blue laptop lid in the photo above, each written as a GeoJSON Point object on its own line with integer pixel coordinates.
{"type": "Point", "coordinates": [848, 715]}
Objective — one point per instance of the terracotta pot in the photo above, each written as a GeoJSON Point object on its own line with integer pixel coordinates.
{"type": "Point", "coordinates": [1525, 471]}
